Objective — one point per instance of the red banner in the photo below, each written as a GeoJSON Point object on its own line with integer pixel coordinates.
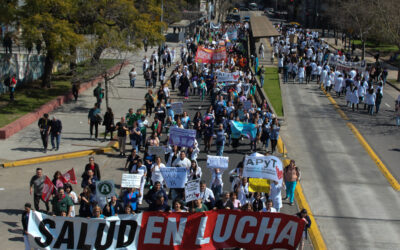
{"type": "Point", "coordinates": [204, 55]}
{"type": "Point", "coordinates": [48, 188]}
{"type": "Point", "coordinates": [219, 229]}
{"type": "Point", "coordinates": [70, 177]}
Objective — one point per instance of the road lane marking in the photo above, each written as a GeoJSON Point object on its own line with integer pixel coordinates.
{"type": "Point", "coordinates": [314, 232]}
{"type": "Point", "coordinates": [387, 105]}
{"type": "Point", "coordinates": [381, 166]}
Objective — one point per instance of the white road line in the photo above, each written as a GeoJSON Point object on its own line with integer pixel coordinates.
{"type": "Point", "coordinates": [1, 189]}
{"type": "Point", "coordinates": [387, 105]}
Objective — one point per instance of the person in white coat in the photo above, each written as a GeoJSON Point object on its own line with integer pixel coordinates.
{"type": "Point", "coordinates": [354, 97]}
{"type": "Point", "coordinates": [301, 74]}
{"type": "Point", "coordinates": [338, 84]}
{"type": "Point", "coordinates": [275, 195]}
{"type": "Point", "coordinates": [156, 171]}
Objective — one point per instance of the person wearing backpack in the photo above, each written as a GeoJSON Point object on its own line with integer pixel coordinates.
{"type": "Point", "coordinates": [98, 92]}
{"type": "Point", "coordinates": [94, 119]}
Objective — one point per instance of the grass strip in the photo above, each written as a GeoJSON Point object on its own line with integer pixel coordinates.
{"type": "Point", "coordinates": [273, 89]}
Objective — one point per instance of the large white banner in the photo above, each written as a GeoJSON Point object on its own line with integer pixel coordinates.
{"type": "Point", "coordinates": [168, 231]}
{"type": "Point", "coordinates": [227, 77]}
{"type": "Point", "coordinates": [174, 177]}
{"type": "Point", "coordinates": [264, 167]}
{"type": "Point", "coordinates": [347, 66]}
{"type": "Point", "coordinates": [49, 232]}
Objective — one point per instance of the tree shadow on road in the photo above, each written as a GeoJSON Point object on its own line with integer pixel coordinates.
{"type": "Point", "coordinates": [28, 149]}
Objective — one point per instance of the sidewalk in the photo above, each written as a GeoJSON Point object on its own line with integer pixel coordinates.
{"type": "Point", "coordinates": [73, 115]}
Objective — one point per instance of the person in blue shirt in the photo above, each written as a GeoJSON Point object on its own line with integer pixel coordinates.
{"type": "Point", "coordinates": [131, 197]}
{"type": "Point", "coordinates": [185, 119]}
{"type": "Point", "coordinates": [274, 134]}
{"type": "Point", "coordinates": [97, 213]}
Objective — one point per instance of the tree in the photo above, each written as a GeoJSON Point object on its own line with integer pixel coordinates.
{"type": "Point", "coordinates": [388, 21]}
{"type": "Point", "coordinates": [114, 23]}
{"type": "Point", "coordinates": [47, 22]}
{"type": "Point", "coordinates": [8, 11]}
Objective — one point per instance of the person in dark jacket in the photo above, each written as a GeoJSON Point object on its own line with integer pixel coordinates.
{"type": "Point", "coordinates": [114, 207]}
{"type": "Point", "coordinates": [108, 122]}
{"type": "Point", "coordinates": [159, 205]}
{"type": "Point", "coordinates": [257, 203]}
{"type": "Point", "coordinates": [94, 167]}
{"type": "Point", "coordinates": [44, 126]}
{"type": "Point", "coordinates": [153, 193]}
{"type": "Point", "coordinates": [303, 215]}
{"type": "Point", "coordinates": [224, 202]}
{"type": "Point", "coordinates": [93, 120]}
{"type": "Point", "coordinates": [24, 220]}
{"type": "Point", "coordinates": [55, 133]}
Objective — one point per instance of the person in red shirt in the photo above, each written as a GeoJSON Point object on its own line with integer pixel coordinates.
{"type": "Point", "coordinates": [13, 84]}
{"type": "Point", "coordinates": [92, 166]}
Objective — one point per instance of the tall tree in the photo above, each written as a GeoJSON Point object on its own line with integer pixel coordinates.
{"type": "Point", "coordinates": [46, 21]}
{"type": "Point", "coordinates": [118, 21]}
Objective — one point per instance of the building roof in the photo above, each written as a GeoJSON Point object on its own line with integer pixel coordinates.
{"type": "Point", "coordinates": [261, 26]}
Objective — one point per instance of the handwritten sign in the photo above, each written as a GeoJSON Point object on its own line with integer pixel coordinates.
{"type": "Point", "coordinates": [174, 177]}
{"type": "Point", "coordinates": [177, 107]}
{"type": "Point", "coordinates": [182, 137]}
{"type": "Point", "coordinates": [192, 190]}
{"type": "Point", "coordinates": [217, 162]}
{"type": "Point", "coordinates": [156, 150]}
{"type": "Point", "coordinates": [131, 180]}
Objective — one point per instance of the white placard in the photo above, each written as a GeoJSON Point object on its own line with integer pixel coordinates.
{"type": "Point", "coordinates": [192, 190]}
{"type": "Point", "coordinates": [220, 162]}
{"type": "Point", "coordinates": [131, 180]}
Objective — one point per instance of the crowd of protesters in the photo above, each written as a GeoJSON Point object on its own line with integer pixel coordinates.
{"type": "Point", "coordinates": [222, 104]}
{"type": "Point", "coordinates": [303, 57]}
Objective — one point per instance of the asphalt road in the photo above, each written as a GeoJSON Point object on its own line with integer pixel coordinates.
{"type": "Point", "coordinates": [352, 202]}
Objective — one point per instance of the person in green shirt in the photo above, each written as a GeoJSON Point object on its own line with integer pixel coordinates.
{"type": "Point", "coordinates": [199, 206]}
{"type": "Point", "coordinates": [130, 118]}
{"type": "Point", "coordinates": [62, 203]}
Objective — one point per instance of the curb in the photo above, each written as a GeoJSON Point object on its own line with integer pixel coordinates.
{"type": "Point", "coordinates": [26, 120]}
{"type": "Point", "coordinates": [315, 234]}
{"type": "Point", "coordinates": [381, 166]}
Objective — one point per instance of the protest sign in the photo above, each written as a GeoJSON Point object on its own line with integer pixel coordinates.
{"type": "Point", "coordinates": [266, 167]}
{"type": "Point", "coordinates": [182, 137]}
{"type": "Point", "coordinates": [105, 188]}
{"type": "Point", "coordinates": [192, 190]}
{"type": "Point", "coordinates": [259, 185]}
{"type": "Point", "coordinates": [217, 162]}
{"type": "Point", "coordinates": [246, 88]}
{"type": "Point", "coordinates": [247, 105]}
{"type": "Point", "coordinates": [177, 107]}
{"type": "Point", "coordinates": [131, 180]}
{"type": "Point", "coordinates": [48, 188]}
{"type": "Point", "coordinates": [157, 151]}
{"type": "Point", "coordinates": [174, 177]}
{"type": "Point", "coordinates": [227, 77]}
{"type": "Point", "coordinates": [347, 66]}
{"type": "Point", "coordinates": [207, 230]}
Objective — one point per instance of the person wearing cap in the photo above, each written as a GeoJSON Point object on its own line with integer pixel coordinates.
{"type": "Point", "coordinates": [44, 126]}
{"type": "Point", "coordinates": [55, 133]}
{"type": "Point", "coordinates": [303, 215]}
{"type": "Point", "coordinates": [24, 220]}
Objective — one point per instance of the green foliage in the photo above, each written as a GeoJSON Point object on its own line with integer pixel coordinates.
{"type": "Point", "coordinates": [273, 89]}
{"type": "Point", "coordinates": [47, 21]}
{"type": "Point", "coordinates": [8, 11]}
